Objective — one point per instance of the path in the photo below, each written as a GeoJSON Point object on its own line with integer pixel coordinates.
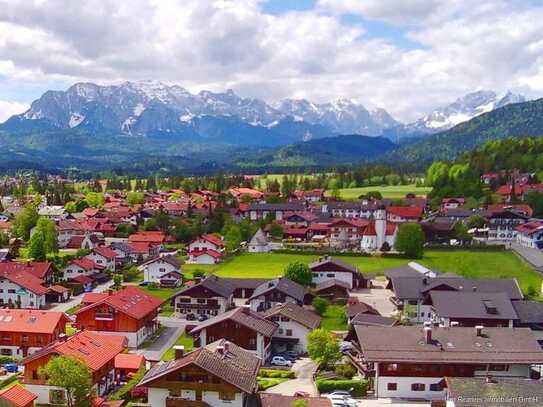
{"type": "Point", "coordinates": [75, 300]}
{"type": "Point", "coordinates": [164, 342]}
{"type": "Point", "coordinates": [304, 369]}
{"type": "Point", "coordinates": [534, 257]}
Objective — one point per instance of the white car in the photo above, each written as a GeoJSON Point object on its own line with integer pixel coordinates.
{"type": "Point", "coordinates": [280, 361]}
{"type": "Point", "coordinates": [341, 400]}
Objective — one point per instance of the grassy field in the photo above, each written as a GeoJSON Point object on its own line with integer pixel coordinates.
{"type": "Point", "coordinates": [388, 191]}
{"type": "Point", "coordinates": [474, 264]}
{"type": "Point", "coordinates": [184, 340]}
{"type": "Point", "coordinates": [163, 293]}
{"type": "Point", "coordinates": [334, 318]}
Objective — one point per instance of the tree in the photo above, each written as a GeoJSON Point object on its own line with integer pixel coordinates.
{"type": "Point", "coordinates": [535, 200]}
{"type": "Point", "coordinates": [232, 239]}
{"type": "Point", "coordinates": [299, 272]}
{"type": "Point", "coordinates": [134, 198]}
{"type": "Point", "coordinates": [25, 221]}
{"type": "Point", "coordinates": [276, 230]}
{"type": "Point", "coordinates": [117, 280]}
{"type": "Point", "coordinates": [36, 248]}
{"type": "Point", "coordinates": [323, 347]}
{"type": "Point", "coordinates": [475, 221]}
{"type": "Point", "coordinates": [320, 304]}
{"type": "Point", "coordinates": [410, 240]}
{"type": "Point", "coordinates": [461, 232]}
{"type": "Point", "coordinates": [71, 375]}
{"type": "Point", "coordinates": [95, 199]}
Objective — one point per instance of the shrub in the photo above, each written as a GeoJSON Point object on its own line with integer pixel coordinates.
{"type": "Point", "coordinates": [124, 392]}
{"type": "Point", "coordinates": [275, 373]}
{"type": "Point", "coordinates": [320, 304]}
{"type": "Point", "coordinates": [9, 380]}
{"type": "Point", "coordinates": [266, 383]}
{"type": "Point", "coordinates": [359, 386]}
{"type": "Point", "coordinates": [346, 370]}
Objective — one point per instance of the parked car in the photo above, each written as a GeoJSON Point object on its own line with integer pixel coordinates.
{"type": "Point", "coordinates": [202, 317]}
{"type": "Point", "coordinates": [191, 317]}
{"type": "Point", "coordinates": [345, 347]}
{"type": "Point", "coordinates": [286, 356]}
{"type": "Point", "coordinates": [144, 283]}
{"type": "Point", "coordinates": [11, 367]}
{"type": "Point", "coordinates": [280, 361]}
{"type": "Point", "coordinates": [341, 400]}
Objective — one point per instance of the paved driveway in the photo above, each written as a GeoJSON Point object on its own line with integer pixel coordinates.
{"type": "Point", "coordinates": [532, 256]}
{"type": "Point", "coordinates": [378, 298]}
{"type": "Point", "coordinates": [72, 302]}
{"type": "Point", "coordinates": [304, 369]}
{"type": "Point", "coordinates": [164, 342]}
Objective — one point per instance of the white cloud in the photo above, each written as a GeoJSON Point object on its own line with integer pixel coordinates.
{"type": "Point", "coordinates": [219, 44]}
{"type": "Point", "coordinates": [8, 109]}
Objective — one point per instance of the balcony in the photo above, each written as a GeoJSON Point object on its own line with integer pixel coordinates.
{"type": "Point", "coordinates": [104, 316]}
{"type": "Point", "coordinates": [182, 402]}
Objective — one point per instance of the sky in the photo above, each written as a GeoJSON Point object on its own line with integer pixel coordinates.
{"type": "Point", "coordinates": [407, 56]}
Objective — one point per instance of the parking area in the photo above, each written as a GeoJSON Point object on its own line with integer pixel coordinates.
{"type": "Point", "coordinates": [378, 298]}
{"type": "Point", "coordinates": [304, 369]}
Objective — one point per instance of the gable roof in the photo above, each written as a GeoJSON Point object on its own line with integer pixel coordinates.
{"type": "Point", "coordinates": [210, 252]}
{"type": "Point", "coordinates": [93, 349]}
{"type": "Point", "coordinates": [105, 252]}
{"type": "Point", "coordinates": [296, 313]}
{"type": "Point", "coordinates": [17, 396]}
{"type": "Point", "coordinates": [129, 361]}
{"type": "Point", "coordinates": [25, 280]}
{"type": "Point", "coordinates": [371, 319]}
{"type": "Point", "coordinates": [86, 264]}
{"type": "Point", "coordinates": [91, 298]}
{"type": "Point", "coordinates": [170, 259]}
{"type": "Point", "coordinates": [476, 305]}
{"type": "Point", "coordinates": [529, 312]}
{"type": "Point", "coordinates": [243, 316]}
{"type": "Point", "coordinates": [332, 282]}
{"type": "Point", "coordinates": [31, 321]}
{"type": "Point", "coordinates": [449, 345]}
{"type": "Point", "coordinates": [283, 285]}
{"type": "Point", "coordinates": [218, 285]}
{"type": "Point", "coordinates": [131, 301]}
{"type": "Point", "coordinates": [217, 241]}
{"type": "Point", "coordinates": [259, 239]}
{"type": "Point", "coordinates": [38, 269]}
{"type": "Point", "coordinates": [235, 365]}
{"type": "Point", "coordinates": [332, 260]}
{"type": "Point", "coordinates": [360, 308]}
{"type": "Point", "coordinates": [408, 212]}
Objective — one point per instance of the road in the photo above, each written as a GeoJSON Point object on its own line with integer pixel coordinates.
{"type": "Point", "coordinates": [304, 369]}
{"type": "Point", "coordinates": [533, 256]}
{"type": "Point", "coordinates": [163, 343]}
{"type": "Point", "coordinates": [75, 300]}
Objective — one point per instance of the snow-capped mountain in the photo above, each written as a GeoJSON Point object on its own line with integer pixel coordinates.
{"type": "Point", "coordinates": [461, 110]}
{"type": "Point", "coordinates": [147, 107]}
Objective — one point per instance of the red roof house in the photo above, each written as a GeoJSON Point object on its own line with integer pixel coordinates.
{"type": "Point", "coordinates": [17, 396]}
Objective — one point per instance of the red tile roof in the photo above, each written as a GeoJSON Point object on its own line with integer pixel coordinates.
{"type": "Point", "coordinates": [141, 247]}
{"type": "Point", "coordinates": [26, 281]}
{"type": "Point", "coordinates": [31, 321]}
{"type": "Point", "coordinates": [82, 279]}
{"type": "Point", "coordinates": [90, 212]}
{"type": "Point", "coordinates": [17, 396]}
{"type": "Point", "coordinates": [59, 289]}
{"type": "Point", "coordinates": [91, 298]}
{"type": "Point", "coordinates": [371, 231]}
{"type": "Point", "coordinates": [408, 212]}
{"type": "Point", "coordinates": [147, 237]}
{"type": "Point", "coordinates": [38, 269]}
{"type": "Point", "coordinates": [210, 252]}
{"type": "Point", "coordinates": [105, 252]}
{"type": "Point", "coordinates": [87, 264]}
{"type": "Point", "coordinates": [129, 361]}
{"type": "Point", "coordinates": [530, 227]}
{"type": "Point", "coordinates": [217, 241]}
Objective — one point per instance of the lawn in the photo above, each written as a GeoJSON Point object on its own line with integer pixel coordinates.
{"type": "Point", "coordinates": [184, 340]}
{"type": "Point", "coordinates": [388, 191]}
{"type": "Point", "coordinates": [334, 318]}
{"type": "Point", "coordinates": [476, 264]}
{"type": "Point", "coordinates": [163, 294]}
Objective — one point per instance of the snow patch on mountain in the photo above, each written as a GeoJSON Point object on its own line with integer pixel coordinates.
{"type": "Point", "coordinates": [75, 120]}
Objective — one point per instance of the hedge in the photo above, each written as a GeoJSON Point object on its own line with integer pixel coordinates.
{"type": "Point", "coordinates": [9, 380]}
{"type": "Point", "coordinates": [470, 247]}
{"type": "Point", "coordinates": [124, 392]}
{"type": "Point", "coordinates": [359, 386]}
{"type": "Point", "coordinates": [266, 383]}
{"type": "Point", "coordinates": [7, 359]}
{"type": "Point", "coordinates": [338, 254]}
{"type": "Point", "coordinates": [275, 373]}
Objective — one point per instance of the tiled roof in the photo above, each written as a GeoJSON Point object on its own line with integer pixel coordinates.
{"type": "Point", "coordinates": [217, 241]}
{"type": "Point", "coordinates": [236, 365]}
{"type": "Point", "coordinates": [170, 259]}
{"type": "Point", "coordinates": [105, 252]}
{"type": "Point", "coordinates": [218, 285]}
{"type": "Point", "coordinates": [17, 396]}
{"type": "Point", "coordinates": [360, 308]}
{"type": "Point", "coordinates": [243, 316]}
{"type": "Point", "coordinates": [91, 298]}
{"type": "Point", "coordinates": [86, 264]}
{"type": "Point", "coordinates": [296, 313]}
{"type": "Point", "coordinates": [283, 285]}
{"type": "Point", "coordinates": [31, 321]}
{"type": "Point", "coordinates": [210, 252]}
{"type": "Point", "coordinates": [58, 289]}
{"type": "Point", "coordinates": [371, 319]}
{"type": "Point", "coordinates": [449, 345]}
{"type": "Point", "coordinates": [333, 261]}
{"type": "Point", "coordinates": [412, 212]}
{"type": "Point", "coordinates": [93, 349]}
{"type": "Point", "coordinates": [332, 282]}
{"type": "Point", "coordinates": [147, 237]}
{"type": "Point", "coordinates": [472, 305]}
{"type": "Point", "coordinates": [82, 279]}
{"type": "Point", "coordinates": [529, 312]}
{"type": "Point", "coordinates": [129, 361]}
{"type": "Point", "coordinates": [38, 269]}
{"type": "Point", "coordinates": [26, 280]}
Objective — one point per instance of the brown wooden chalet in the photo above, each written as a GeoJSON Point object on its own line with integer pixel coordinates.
{"type": "Point", "coordinates": [217, 373]}
{"type": "Point", "coordinates": [329, 268]}
{"type": "Point", "coordinates": [241, 326]}
{"type": "Point", "coordinates": [279, 290]}
{"type": "Point", "coordinates": [336, 291]}
{"type": "Point", "coordinates": [211, 296]}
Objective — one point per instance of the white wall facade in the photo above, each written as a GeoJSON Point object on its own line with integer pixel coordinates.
{"type": "Point", "coordinates": [73, 270]}
{"type": "Point", "coordinates": [202, 259]}
{"type": "Point", "coordinates": [10, 292]}
{"type": "Point", "coordinates": [154, 271]}
{"type": "Point", "coordinates": [187, 308]}
{"type": "Point", "coordinates": [109, 264]}
{"type": "Point", "coordinates": [201, 244]}
{"type": "Point", "coordinates": [321, 276]}
{"type": "Point", "coordinates": [296, 329]}
{"type": "Point", "coordinates": [157, 397]}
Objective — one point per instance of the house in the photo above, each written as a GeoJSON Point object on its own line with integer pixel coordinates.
{"type": "Point", "coordinates": [530, 234]}
{"type": "Point", "coordinates": [157, 267]}
{"type": "Point", "coordinates": [86, 241]}
{"type": "Point", "coordinates": [103, 256]}
{"type": "Point", "coordinates": [17, 396]}
{"type": "Point", "coordinates": [126, 365]}
{"type": "Point", "coordinates": [241, 326]}
{"type": "Point", "coordinates": [206, 242]}
{"type": "Point", "coordinates": [211, 296]}
{"type": "Point", "coordinates": [205, 256]}
{"type": "Point", "coordinates": [279, 290]}
{"type": "Point", "coordinates": [259, 243]}
{"type": "Point", "coordinates": [42, 270]}
{"type": "Point", "coordinates": [412, 361]}
{"type": "Point", "coordinates": [314, 195]}
{"type": "Point", "coordinates": [400, 214]}
{"type": "Point", "coordinates": [24, 331]}
{"type": "Point", "coordinates": [335, 291]}
{"type": "Point", "coordinates": [349, 210]}
{"type": "Point", "coordinates": [21, 289]}
{"type": "Point", "coordinates": [240, 192]}
{"type": "Point", "coordinates": [280, 400]}
{"type": "Point", "coordinates": [329, 268]}
{"type": "Point", "coordinates": [130, 312]}
{"type": "Point", "coordinates": [379, 233]}
{"type": "Point", "coordinates": [295, 323]}
{"type": "Point", "coordinates": [220, 373]}
{"type": "Point", "coordinates": [259, 211]}
{"type": "Point", "coordinates": [58, 293]}
{"type": "Point", "coordinates": [472, 308]}
{"type": "Point", "coordinates": [154, 238]}
{"type": "Point", "coordinates": [359, 308]}
{"type": "Point", "coordinates": [81, 267]}
{"type": "Point", "coordinates": [54, 212]}
{"type": "Point", "coordinates": [530, 315]}
{"type": "Point", "coordinates": [502, 224]}
{"type": "Point", "coordinates": [245, 287]}
{"type": "Point", "coordinates": [452, 203]}
{"type": "Point", "coordinates": [172, 279]}
{"type": "Point", "coordinates": [96, 351]}
{"type": "Point", "coordinates": [347, 233]}
{"type": "Point", "coordinates": [124, 253]}
{"type": "Point", "coordinates": [472, 391]}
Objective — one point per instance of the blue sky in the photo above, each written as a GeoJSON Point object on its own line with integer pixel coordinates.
{"type": "Point", "coordinates": [407, 56]}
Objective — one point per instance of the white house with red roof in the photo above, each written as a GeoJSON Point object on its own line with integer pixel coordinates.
{"type": "Point", "coordinates": [530, 234]}
{"type": "Point", "coordinates": [404, 213]}
{"type": "Point", "coordinates": [205, 256]}
{"type": "Point", "coordinates": [40, 269]}
{"type": "Point", "coordinates": [22, 289]}
{"type": "Point", "coordinates": [157, 267]}
{"type": "Point", "coordinates": [81, 267]}
{"type": "Point", "coordinates": [378, 232]}
{"type": "Point", "coordinates": [210, 242]}
{"type": "Point", "coordinates": [103, 256]}
{"type": "Point", "coordinates": [96, 351]}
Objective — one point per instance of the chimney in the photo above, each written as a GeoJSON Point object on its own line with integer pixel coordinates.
{"type": "Point", "coordinates": [428, 335]}
{"type": "Point", "coordinates": [220, 349]}
{"type": "Point", "coordinates": [479, 330]}
{"type": "Point", "coordinates": [179, 351]}
{"type": "Point", "coordinates": [226, 345]}
{"type": "Point", "coordinates": [474, 288]}
{"type": "Point", "coordinates": [454, 323]}
{"type": "Point", "coordinates": [246, 308]}
{"type": "Point", "coordinates": [62, 338]}
{"type": "Point", "coordinates": [110, 292]}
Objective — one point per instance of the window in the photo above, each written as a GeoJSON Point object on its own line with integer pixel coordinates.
{"type": "Point", "coordinates": [6, 352]}
{"type": "Point", "coordinates": [498, 368]}
{"type": "Point", "coordinates": [25, 338]}
{"type": "Point", "coordinates": [392, 386]}
{"type": "Point", "coordinates": [56, 396]}
{"type": "Point", "coordinates": [227, 395]}
{"type": "Point", "coordinates": [418, 387]}
{"type": "Point", "coordinates": [252, 341]}
{"type": "Point", "coordinates": [183, 299]}
{"type": "Point", "coordinates": [436, 387]}
{"type": "Point", "coordinates": [201, 300]}
{"type": "Point", "coordinates": [392, 367]}
{"type": "Point", "coordinates": [11, 291]}
{"type": "Point", "coordinates": [289, 332]}
{"type": "Point", "coordinates": [330, 275]}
